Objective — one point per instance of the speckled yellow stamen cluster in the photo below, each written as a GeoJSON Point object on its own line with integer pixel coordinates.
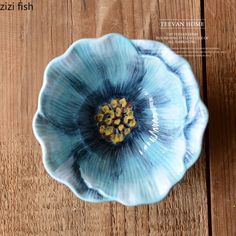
{"type": "Point", "coordinates": [115, 120]}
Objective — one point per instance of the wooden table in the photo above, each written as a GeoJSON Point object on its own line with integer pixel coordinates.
{"type": "Point", "coordinates": [31, 203]}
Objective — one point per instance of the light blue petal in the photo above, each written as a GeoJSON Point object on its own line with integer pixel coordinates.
{"type": "Point", "coordinates": [176, 64]}
{"type": "Point", "coordinates": [60, 99]}
{"type": "Point", "coordinates": [164, 91]}
{"type": "Point", "coordinates": [68, 79]}
{"type": "Point", "coordinates": [58, 149]}
{"type": "Point", "coordinates": [67, 175]}
{"type": "Point", "coordinates": [194, 134]}
{"type": "Point", "coordinates": [197, 116]}
{"type": "Point", "coordinates": [56, 144]}
{"type": "Point", "coordinates": [141, 176]}
{"type": "Point", "coordinates": [111, 57]}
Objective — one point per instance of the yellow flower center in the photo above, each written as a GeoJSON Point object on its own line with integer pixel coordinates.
{"type": "Point", "coordinates": [115, 120]}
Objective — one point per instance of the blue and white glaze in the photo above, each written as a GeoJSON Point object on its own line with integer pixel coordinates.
{"type": "Point", "coordinates": [170, 114]}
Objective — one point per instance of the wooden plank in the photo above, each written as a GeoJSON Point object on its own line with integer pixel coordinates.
{"type": "Point", "coordinates": [221, 93]}
{"type": "Point", "coordinates": [30, 201]}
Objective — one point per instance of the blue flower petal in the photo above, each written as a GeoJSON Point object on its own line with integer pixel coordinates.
{"type": "Point", "coordinates": [194, 134]}
{"type": "Point", "coordinates": [60, 101]}
{"type": "Point", "coordinates": [137, 176]}
{"type": "Point", "coordinates": [58, 157]}
{"type": "Point", "coordinates": [176, 64]}
{"type": "Point", "coordinates": [197, 115]}
{"type": "Point", "coordinates": [112, 56]}
{"type": "Point", "coordinates": [164, 90]}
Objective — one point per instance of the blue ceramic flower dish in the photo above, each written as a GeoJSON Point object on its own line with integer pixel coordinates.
{"type": "Point", "coordinates": [119, 119]}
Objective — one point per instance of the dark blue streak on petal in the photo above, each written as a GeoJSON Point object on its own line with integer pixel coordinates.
{"type": "Point", "coordinates": [74, 81]}
{"type": "Point", "coordinates": [101, 68]}
{"type": "Point", "coordinates": [137, 72]}
{"type": "Point", "coordinates": [64, 130]}
{"type": "Point", "coordinates": [76, 168]}
{"type": "Point", "coordinates": [77, 84]}
{"type": "Point", "coordinates": [152, 53]}
{"type": "Point", "coordinates": [139, 110]}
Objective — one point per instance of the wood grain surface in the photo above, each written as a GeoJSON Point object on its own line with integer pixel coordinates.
{"type": "Point", "coordinates": [221, 95]}
{"type": "Point", "coordinates": [31, 203]}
